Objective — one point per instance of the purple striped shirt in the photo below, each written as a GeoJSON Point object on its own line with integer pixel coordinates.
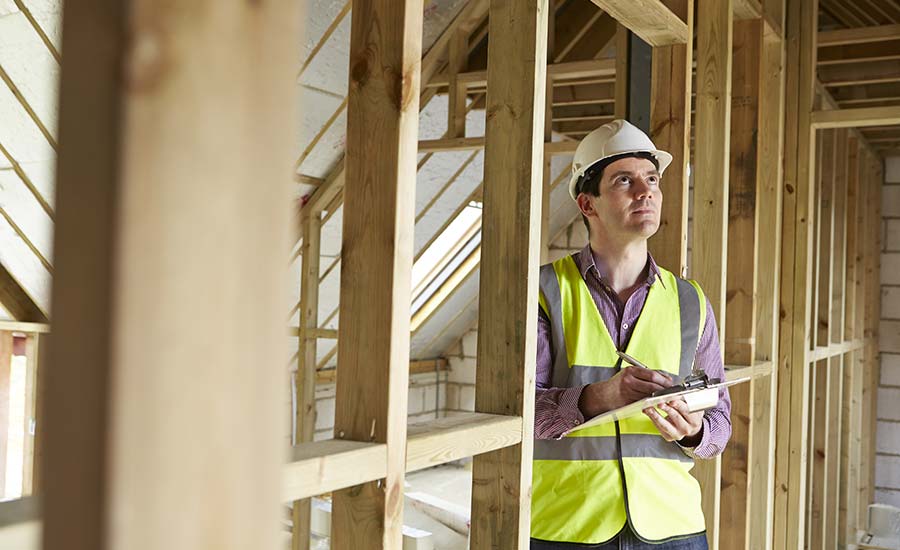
{"type": "Point", "coordinates": [556, 409]}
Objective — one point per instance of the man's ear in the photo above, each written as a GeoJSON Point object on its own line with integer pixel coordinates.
{"type": "Point", "coordinates": [585, 205]}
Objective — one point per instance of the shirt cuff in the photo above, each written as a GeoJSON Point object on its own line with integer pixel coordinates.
{"type": "Point", "coordinates": [568, 410]}
{"type": "Point", "coordinates": [705, 449]}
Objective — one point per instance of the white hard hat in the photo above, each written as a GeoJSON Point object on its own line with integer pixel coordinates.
{"type": "Point", "coordinates": [614, 138]}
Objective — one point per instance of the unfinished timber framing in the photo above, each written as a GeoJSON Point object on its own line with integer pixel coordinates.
{"type": "Point", "coordinates": [507, 326]}
{"type": "Point", "coordinates": [797, 239]}
{"type": "Point", "coordinates": [136, 239]}
{"type": "Point", "coordinates": [710, 247]}
{"type": "Point", "coordinates": [786, 195]}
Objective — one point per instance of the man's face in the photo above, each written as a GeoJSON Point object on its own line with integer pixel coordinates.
{"type": "Point", "coordinates": [630, 199]}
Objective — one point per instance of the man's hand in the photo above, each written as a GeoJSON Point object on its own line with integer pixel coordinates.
{"type": "Point", "coordinates": [627, 386]}
{"type": "Point", "coordinates": [679, 424]}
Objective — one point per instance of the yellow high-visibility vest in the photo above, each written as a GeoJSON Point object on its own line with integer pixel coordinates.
{"type": "Point", "coordinates": [587, 485]}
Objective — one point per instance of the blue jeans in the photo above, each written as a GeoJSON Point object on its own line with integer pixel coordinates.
{"type": "Point", "coordinates": [626, 540]}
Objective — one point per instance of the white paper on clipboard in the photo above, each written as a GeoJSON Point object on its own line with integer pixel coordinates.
{"type": "Point", "coordinates": [638, 407]}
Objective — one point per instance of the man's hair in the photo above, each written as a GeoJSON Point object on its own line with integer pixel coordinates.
{"type": "Point", "coordinates": [589, 182]}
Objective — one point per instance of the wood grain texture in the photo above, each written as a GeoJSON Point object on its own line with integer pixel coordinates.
{"type": "Point", "coordinates": [670, 125]}
{"type": "Point", "coordinates": [710, 246]}
{"type": "Point", "coordinates": [649, 19]}
{"type": "Point", "coordinates": [173, 358]}
{"type": "Point", "coordinates": [797, 240]}
{"type": "Point", "coordinates": [451, 438]}
{"type": "Point", "coordinates": [379, 214]}
{"type": "Point", "coordinates": [322, 466]}
{"type": "Point", "coordinates": [856, 117]}
{"type": "Point", "coordinates": [874, 180]}
{"type": "Point", "coordinates": [741, 277]}
{"type": "Point", "coordinates": [469, 16]}
{"type": "Point", "coordinates": [836, 371]}
{"type": "Point", "coordinates": [821, 453]}
{"type": "Point", "coordinates": [842, 37]}
{"type": "Point", "coordinates": [850, 406]}
{"type": "Point", "coordinates": [769, 207]}
{"type": "Point", "coordinates": [513, 170]}
{"type": "Point", "coordinates": [305, 376]}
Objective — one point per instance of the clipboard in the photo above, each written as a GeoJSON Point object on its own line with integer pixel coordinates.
{"type": "Point", "coordinates": [695, 398]}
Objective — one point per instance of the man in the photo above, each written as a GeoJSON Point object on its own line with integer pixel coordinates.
{"type": "Point", "coordinates": [624, 484]}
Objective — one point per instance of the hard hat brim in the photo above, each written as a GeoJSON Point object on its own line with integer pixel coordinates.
{"type": "Point", "coordinates": [662, 157]}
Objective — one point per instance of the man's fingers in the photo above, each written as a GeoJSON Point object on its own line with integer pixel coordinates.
{"type": "Point", "coordinates": [662, 424]}
{"type": "Point", "coordinates": [677, 419]}
{"type": "Point", "coordinates": [641, 388]}
{"type": "Point", "coordinates": [657, 377]}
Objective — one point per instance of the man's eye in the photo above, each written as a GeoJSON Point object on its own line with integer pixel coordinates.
{"type": "Point", "coordinates": [624, 180]}
{"type": "Point", "coordinates": [653, 181]}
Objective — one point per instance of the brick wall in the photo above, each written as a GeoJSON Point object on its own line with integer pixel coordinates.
{"type": "Point", "coordinates": [887, 442]}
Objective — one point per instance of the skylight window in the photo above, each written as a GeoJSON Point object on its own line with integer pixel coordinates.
{"type": "Point", "coordinates": [445, 254]}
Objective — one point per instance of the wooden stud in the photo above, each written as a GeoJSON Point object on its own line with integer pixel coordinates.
{"type": "Point", "coordinates": [649, 19]}
{"type": "Point", "coordinates": [849, 402]}
{"type": "Point", "coordinates": [385, 57]}
{"type": "Point", "coordinates": [670, 124]}
{"type": "Point", "coordinates": [769, 210]}
{"type": "Point", "coordinates": [305, 376]}
{"type": "Point", "coordinates": [456, 105]}
{"type": "Point", "coordinates": [741, 276]}
{"type": "Point", "coordinates": [710, 246]}
{"type": "Point", "coordinates": [836, 372]}
{"type": "Point", "coordinates": [621, 95]}
{"type": "Point", "coordinates": [161, 358]}
{"type": "Point", "coordinates": [823, 454]}
{"type": "Point", "coordinates": [467, 18]}
{"type": "Point", "coordinates": [501, 480]}
{"type": "Point", "coordinates": [6, 353]}
{"type": "Point", "coordinates": [35, 353]}
{"type": "Point", "coordinates": [547, 174]}
{"type": "Point", "coordinates": [874, 180]}
{"type": "Point", "coordinates": [793, 391]}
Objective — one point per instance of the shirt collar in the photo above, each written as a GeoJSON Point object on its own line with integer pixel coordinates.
{"type": "Point", "coordinates": [585, 262]}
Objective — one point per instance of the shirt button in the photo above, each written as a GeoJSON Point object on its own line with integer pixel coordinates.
{"type": "Point", "coordinates": [625, 326]}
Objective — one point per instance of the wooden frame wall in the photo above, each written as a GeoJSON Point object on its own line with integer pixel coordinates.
{"type": "Point", "coordinates": [827, 322]}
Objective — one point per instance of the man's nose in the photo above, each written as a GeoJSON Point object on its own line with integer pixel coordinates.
{"type": "Point", "coordinates": [643, 190]}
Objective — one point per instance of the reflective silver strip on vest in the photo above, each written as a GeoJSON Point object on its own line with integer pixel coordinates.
{"type": "Point", "coordinates": [582, 376]}
{"type": "Point", "coordinates": [605, 448]}
{"type": "Point", "coordinates": [549, 285]}
{"type": "Point", "coordinates": [689, 302]}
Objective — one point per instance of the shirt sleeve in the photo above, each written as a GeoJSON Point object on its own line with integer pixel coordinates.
{"type": "Point", "coordinates": [717, 420]}
{"type": "Point", "coordinates": [555, 409]}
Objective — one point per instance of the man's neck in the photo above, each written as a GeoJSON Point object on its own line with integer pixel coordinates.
{"type": "Point", "coordinates": [622, 266]}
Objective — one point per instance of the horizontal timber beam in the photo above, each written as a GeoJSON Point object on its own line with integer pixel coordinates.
{"type": "Point", "coordinates": [324, 466]}
{"type": "Point", "coordinates": [23, 326]}
{"type": "Point", "coordinates": [652, 20]}
{"type": "Point", "coordinates": [476, 143]}
{"type": "Point", "coordinates": [857, 117]}
{"type": "Point", "coordinates": [415, 367]}
{"type": "Point", "coordinates": [591, 68]}
{"type": "Point", "coordinates": [859, 35]}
